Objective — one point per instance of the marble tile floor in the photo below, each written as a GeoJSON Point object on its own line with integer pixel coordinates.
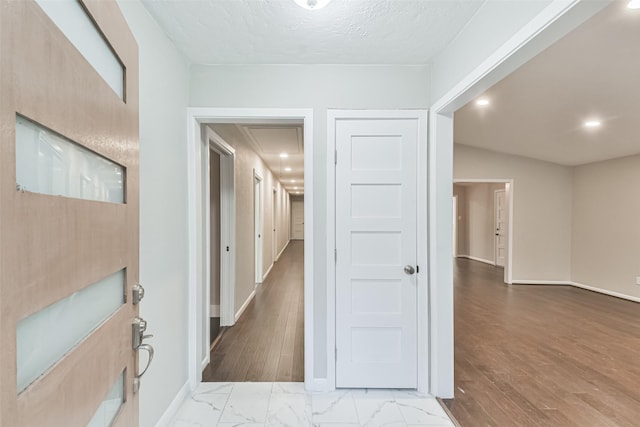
{"type": "Point", "coordinates": [287, 404]}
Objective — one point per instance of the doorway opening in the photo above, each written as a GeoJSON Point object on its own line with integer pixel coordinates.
{"type": "Point", "coordinates": [482, 222]}
{"type": "Point", "coordinates": [260, 310]}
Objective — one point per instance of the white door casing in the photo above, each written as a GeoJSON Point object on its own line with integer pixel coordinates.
{"type": "Point", "coordinates": [297, 220]}
{"type": "Point", "coordinates": [376, 224]}
{"type": "Point", "coordinates": [257, 209]}
{"type": "Point", "coordinates": [500, 211]}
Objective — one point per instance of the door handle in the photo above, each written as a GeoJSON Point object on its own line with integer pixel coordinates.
{"type": "Point", "coordinates": [136, 378]}
{"type": "Point", "coordinates": [408, 269]}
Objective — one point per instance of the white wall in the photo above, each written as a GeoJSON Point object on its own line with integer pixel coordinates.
{"type": "Point", "coordinates": [542, 199]}
{"type": "Point", "coordinates": [606, 225]}
{"type": "Point", "coordinates": [319, 87]}
{"type": "Point", "coordinates": [164, 81]}
{"type": "Point", "coordinates": [496, 22]}
{"type": "Point", "coordinates": [246, 161]}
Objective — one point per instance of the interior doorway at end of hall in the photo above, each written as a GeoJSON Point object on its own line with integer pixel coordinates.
{"type": "Point", "coordinates": [482, 218]}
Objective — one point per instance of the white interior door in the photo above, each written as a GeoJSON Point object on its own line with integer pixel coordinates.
{"type": "Point", "coordinates": [376, 289]}
{"type": "Point", "coordinates": [297, 220]}
{"type": "Point", "coordinates": [501, 227]}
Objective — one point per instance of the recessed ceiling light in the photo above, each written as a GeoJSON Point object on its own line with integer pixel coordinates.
{"type": "Point", "coordinates": [295, 188]}
{"type": "Point", "coordinates": [482, 102]}
{"type": "Point", "coordinates": [634, 4]}
{"type": "Point", "coordinates": [592, 123]}
{"type": "Point", "coordinates": [284, 155]}
{"type": "Point", "coordinates": [312, 4]}
{"type": "Point", "coordinates": [293, 180]}
{"type": "Point", "coordinates": [287, 169]}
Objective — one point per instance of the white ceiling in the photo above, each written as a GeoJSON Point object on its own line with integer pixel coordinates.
{"type": "Point", "coordinates": [538, 111]}
{"type": "Point", "coordinates": [269, 141]}
{"type": "Point", "coordinates": [281, 32]}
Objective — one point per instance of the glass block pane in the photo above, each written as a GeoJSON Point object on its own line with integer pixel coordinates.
{"type": "Point", "coordinates": [47, 335]}
{"type": "Point", "coordinates": [109, 408]}
{"type": "Point", "coordinates": [74, 22]}
{"type": "Point", "coordinates": [48, 163]}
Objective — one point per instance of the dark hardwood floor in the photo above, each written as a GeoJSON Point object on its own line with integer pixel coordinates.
{"type": "Point", "coordinates": [542, 355]}
{"type": "Point", "coordinates": [267, 342]}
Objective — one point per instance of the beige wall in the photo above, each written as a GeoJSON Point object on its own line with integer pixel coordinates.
{"type": "Point", "coordinates": [606, 225]}
{"type": "Point", "coordinates": [542, 195]}
{"type": "Point", "coordinates": [246, 161]}
{"type": "Point", "coordinates": [476, 220]}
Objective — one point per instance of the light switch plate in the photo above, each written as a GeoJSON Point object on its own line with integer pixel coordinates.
{"type": "Point", "coordinates": [637, 280]}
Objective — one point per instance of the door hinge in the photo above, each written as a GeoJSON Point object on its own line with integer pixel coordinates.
{"type": "Point", "coordinates": [335, 255]}
{"type": "Point", "coordinates": [336, 354]}
{"type": "Point", "coordinates": [335, 157]}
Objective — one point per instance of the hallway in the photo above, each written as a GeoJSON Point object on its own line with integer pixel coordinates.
{"type": "Point", "coordinates": [267, 342]}
{"type": "Point", "coordinates": [542, 355]}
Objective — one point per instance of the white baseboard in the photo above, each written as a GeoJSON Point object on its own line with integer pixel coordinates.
{"type": "Point", "coordinates": [577, 285]}
{"type": "Point", "coordinates": [606, 292]}
{"type": "Point", "coordinates": [282, 251]}
{"type": "Point", "coordinates": [244, 306]}
{"type": "Point", "coordinates": [541, 282]}
{"type": "Point", "coordinates": [317, 384]}
{"type": "Point", "coordinates": [205, 361]}
{"type": "Point", "coordinates": [473, 258]}
{"type": "Point", "coordinates": [264, 276]}
{"type": "Point", "coordinates": [214, 310]}
{"type": "Point", "coordinates": [172, 410]}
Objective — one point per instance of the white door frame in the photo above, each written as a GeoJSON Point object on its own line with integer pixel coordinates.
{"type": "Point", "coordinates": [227, 228]}
{"type": "Point", "coordinates": [509, 189]}
{"type": "Point", "coordinates": [548, 26]}
{"type": "Point", "coordinates": [422, 245]}
{"type": "Point", "coordinates": [196, 117]}
{"type": "Point", "coordinates": [495, 225]}
{"type": "Point", "coordinates": [274, 226]}
{"type": "Point", "coordinates": [455, 226]}
{"type": "Point", "coordinates": [258, 222]}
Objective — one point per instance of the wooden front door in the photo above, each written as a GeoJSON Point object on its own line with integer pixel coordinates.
{"type": "Point", "coordinates": [68, 214]}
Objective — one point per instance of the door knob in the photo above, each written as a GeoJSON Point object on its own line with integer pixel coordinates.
{"type": "Point", "coordinates": [409, 269]}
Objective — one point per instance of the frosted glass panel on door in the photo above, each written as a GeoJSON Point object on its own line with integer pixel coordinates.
{"type": "Point", "coordinates": [109, 408]}
{"type": "Point", "coordinates": [74, 22]}
{"type": "Point", "coordinates": [48, 163]}
{"type": "Point", "coordinates": [47, 335]}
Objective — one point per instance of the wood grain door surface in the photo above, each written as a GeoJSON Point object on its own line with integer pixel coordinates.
{"type": "Point", "coordinates": [53, 246]}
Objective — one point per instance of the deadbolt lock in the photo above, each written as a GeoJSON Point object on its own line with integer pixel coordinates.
{"type": "Point", "coordinates": [138, 293]}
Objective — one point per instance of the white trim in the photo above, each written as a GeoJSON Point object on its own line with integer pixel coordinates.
{"type": "Point", "coordinates": [541, 282]}
{"type": "Point", "coordinates": [227, 227]}
{"type": "Point", "coordinates": [474, 258]}
{"type": "Point", "coordinates": [264, 277]}
{"type": "Point", "coordinates": [423, 370]}
{"type": "Point", "coordinates": [258, 225]}
{"type": "Point", "coordinates": [245, 305]}
{"type": "Point", "coordinates": [170, 413]}
{"type": "Point", "coordinates": [549, 25]}
{"type": "Point", "coordinates": [318, 384]}
{"type": "Point", "coordinates": [605, 292]}
{"type": "Point", "coordinates": [283, 249]}
{"type": "Point", "coordinates": [214, 310]}
{"type": "Point", "coordinates": [201, 115]}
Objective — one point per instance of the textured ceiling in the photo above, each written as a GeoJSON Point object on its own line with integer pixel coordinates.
{"type": "Point", "coordinates": [538, 111]}
{"type": "Point", "coordinates": [280, 32]}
